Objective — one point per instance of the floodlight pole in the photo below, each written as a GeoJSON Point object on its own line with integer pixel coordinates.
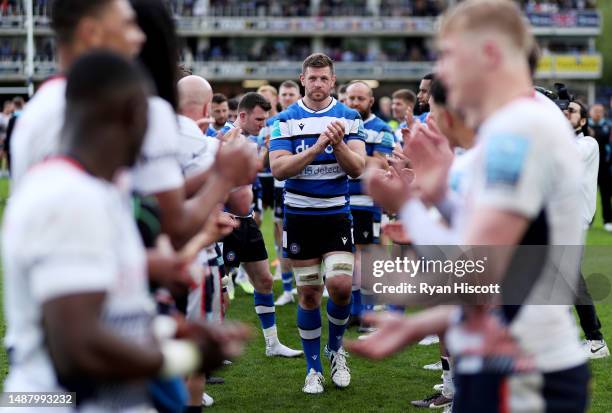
{"type": "Point", "coordinates": [30, 47]}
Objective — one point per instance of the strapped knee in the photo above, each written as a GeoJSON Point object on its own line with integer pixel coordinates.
{"type": "Point", "coordinates": [308, 275]}
{"type": "Point", "coordinates": [341, 263]}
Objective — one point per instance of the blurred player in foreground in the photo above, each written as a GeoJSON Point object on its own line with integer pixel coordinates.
{"type": "Point", "coordinates": [76, 278]}
{"type": "Point", "coordinates": [522, 189]}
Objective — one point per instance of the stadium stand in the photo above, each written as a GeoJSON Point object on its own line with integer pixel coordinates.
{"type": "Point", "coordinates": [229, 40]}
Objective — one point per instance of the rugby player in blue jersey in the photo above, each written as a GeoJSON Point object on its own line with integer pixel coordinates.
{"type": "Point", "coordinates": [314, 145]}
{"type": "Point", "coordinates": [246, 243]}
{"type": "Point", "coordinates": [289, 93]}
{"type": "Point", "coordinates": [219, 110]}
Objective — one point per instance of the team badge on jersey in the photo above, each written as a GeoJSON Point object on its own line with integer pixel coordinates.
{"type": "Point", "coordinates": [505, 157]}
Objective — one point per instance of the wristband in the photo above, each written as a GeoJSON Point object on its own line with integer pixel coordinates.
{"type": "Point", "coordinates": [164, 327]}
{"type": "Point", "coordinates": [181, 357]}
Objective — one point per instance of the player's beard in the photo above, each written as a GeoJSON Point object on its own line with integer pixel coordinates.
{"type": "Point", "coordinates": [364, 114]}
{"type": "Point", "coordinates": [319, 97]}
{"type": "Point", "coordinates": [421, 108]}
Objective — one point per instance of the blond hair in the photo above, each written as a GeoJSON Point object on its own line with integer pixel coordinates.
{"type": "Point", "coordinates": [500, 16]}
{"type": "Point", "coordinates": [268, 88]}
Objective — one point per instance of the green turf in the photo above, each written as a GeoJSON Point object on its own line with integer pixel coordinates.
{"type": "Point", "coordinates": [256, 383]}
{"type": "Point", "coordinates": [264, 384]}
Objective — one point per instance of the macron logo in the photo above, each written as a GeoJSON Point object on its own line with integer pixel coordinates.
{"type": "Point", "coordinates": [314, 357]}
{"type": "Point", "coordinates": [344, 239]}
{"type": "Point", "coordinates": [301, 125]}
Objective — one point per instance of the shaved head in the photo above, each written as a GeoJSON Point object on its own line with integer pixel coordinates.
{"type": "Point", "coordinates": [195, 94]}
{"type": "Point", "coordinates": [361, 86]}
{"type": "Point", "coordinates": [359, 96]}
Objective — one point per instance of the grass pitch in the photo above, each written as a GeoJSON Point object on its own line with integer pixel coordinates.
{"type": "Point", "coordinates": [256, 383]}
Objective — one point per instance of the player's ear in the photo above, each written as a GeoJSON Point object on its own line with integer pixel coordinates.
{"type": "Point", "coordinates": [302, 79]}
{"type": "Point", "coordinates": [333, 80]}
{"type": "Point", "coordinates": [492, 53]}
{"type": "Point", "coordinates": [90, 31]}
{"type": "Point", "coordinates": [448, 118]}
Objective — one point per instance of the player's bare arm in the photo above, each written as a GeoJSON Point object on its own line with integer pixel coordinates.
{"type": "Point", "coordinates": [182, 220]}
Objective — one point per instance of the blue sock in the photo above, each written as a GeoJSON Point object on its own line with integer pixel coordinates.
{"type": "Point", "coordinates": [367, 301]}
{"type": "Point", "coordinates": [356, 304]}
{"type": "Point", "coordinates": [264, 307]}
{"type": "Point", "coordinates": [287, 281]}
{"type": "Point", "coordinates": [338, 318]}
{"type": "Point", "coordinates": [396, 308]}
{"type": "Point", "coordinates": [309, 325]}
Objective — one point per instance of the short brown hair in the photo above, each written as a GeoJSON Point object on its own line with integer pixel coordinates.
{"type": "Point", "coordinates": [251, 100]}
{"type": "Point", "coordinates": [219, 98]}
{"type": "Point", "coordinates": [406, 95]}
{"type": "Point", "coordinates": [501, 16]}
{"type": "Point", "coordinates": [288, 84]}
{"type": "Point", "coordinates": [318, 60]}
{"type": "Point", "coordinates": [18, 102]}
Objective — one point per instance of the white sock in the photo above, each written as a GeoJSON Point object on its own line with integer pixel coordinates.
{"type": "Point", "coordinates": [448, 390]}
{"type": "Point", "coordinates": [271, 335]}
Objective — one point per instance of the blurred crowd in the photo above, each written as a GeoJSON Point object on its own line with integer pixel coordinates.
{"type": "Point", "coordinates": [296, 8]}
{"type": "Point", "coordinates": [13, 50]}
{"type": "Point", "coordinates": [282, 50]}
{"type": "Point", "coordinates": [555, 6]}
{"type": "Point", "coordinates": [291, 50]}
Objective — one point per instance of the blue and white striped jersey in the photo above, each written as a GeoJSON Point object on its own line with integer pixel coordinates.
{"type": "Point", "coordinates": [322, 187]}
{"type": "Point", "coordinates": [212, 132]}
{"type": "Point", "coordinates": [379, 138]}
{"type": "Point", "coordinates": [256, 184]}
{"type": "Point", "coordinates": [265, 131]}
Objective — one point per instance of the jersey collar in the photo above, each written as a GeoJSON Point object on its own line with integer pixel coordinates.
{"type": "Point", "coordinates": [325, 109]}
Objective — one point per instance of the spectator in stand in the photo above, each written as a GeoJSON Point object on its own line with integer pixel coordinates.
{"type": "Point", "coordinates": [555, 6]}
{"type": "Point", "coordinates": [343, 8]}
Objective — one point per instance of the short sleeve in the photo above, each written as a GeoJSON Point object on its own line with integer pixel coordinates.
{"type": "Point", "coordinates": [279, 137]}
{"type": "Point", "coordinates": [385, 143]}
{"type": "Point", "coordinates": [514, 174]}
{"type": "Point", "coordinates": [69, 259]}
{"type": "Point", "coordinates": [357, 130]}
{"type": "Point", "coordinates": [264, 132]}
{"type": "Point", "coordinates": [211, 132]}
{"type": "Point", "coordinates": [158, 169]}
